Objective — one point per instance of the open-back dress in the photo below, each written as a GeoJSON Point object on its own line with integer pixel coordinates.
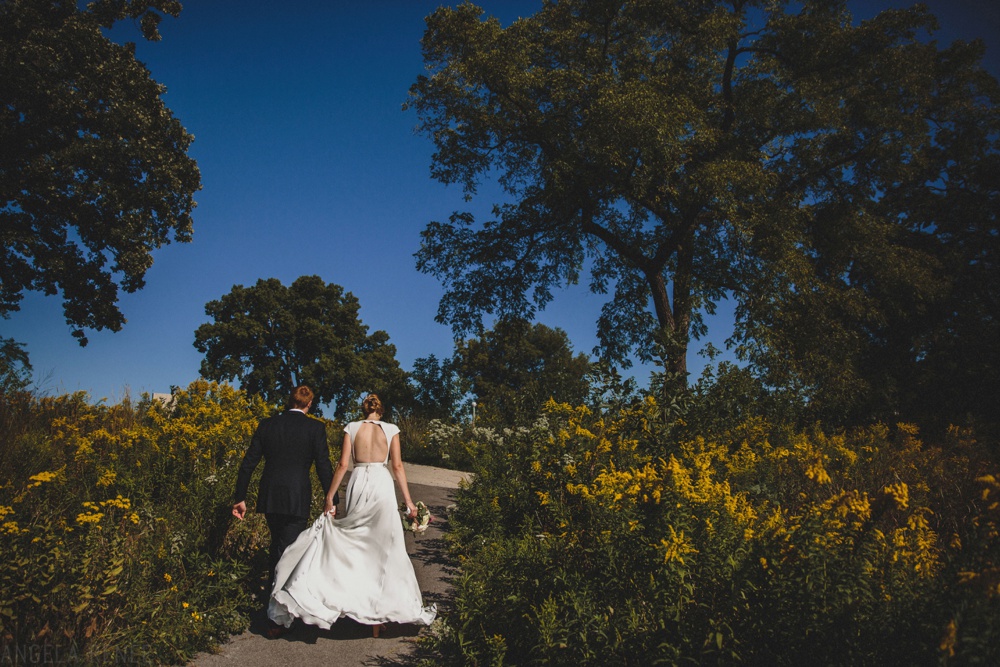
{"type": "Point", "coordinates": [355, 566]}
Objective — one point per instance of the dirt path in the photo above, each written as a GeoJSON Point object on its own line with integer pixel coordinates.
{"type": "Point", "coordinates": [348, 643]}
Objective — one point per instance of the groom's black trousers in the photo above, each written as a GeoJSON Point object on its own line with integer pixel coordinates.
{"type": "Point", "coordinates": [284, 529]}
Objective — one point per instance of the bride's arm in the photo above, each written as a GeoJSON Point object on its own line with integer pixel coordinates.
{"type": "Point", "coordinates": [396, 462]}
{"type": "Point", "coordinates": [338, 476]}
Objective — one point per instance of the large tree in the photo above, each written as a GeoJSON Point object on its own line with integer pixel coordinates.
{"type": "Point", "coordinates": [272, 338]}
{"type": "Point", "coordinates": [514, 368]}
{"type": "Point", "coordinates": [438, 390]}
{"type": "Point", "coordinates": [94, 171]}
{"type": "Point", "coordinates": [772, 152]}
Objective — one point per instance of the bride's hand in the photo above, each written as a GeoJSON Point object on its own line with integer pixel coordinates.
{"type": "Point", "coordinates": [411, 512]}
{"type": "Point", "coordinates": [330, 509]}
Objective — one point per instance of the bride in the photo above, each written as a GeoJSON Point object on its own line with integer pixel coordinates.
{"type": "Point", "coordinates": [357, 565]}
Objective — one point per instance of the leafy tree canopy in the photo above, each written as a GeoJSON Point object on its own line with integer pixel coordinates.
{"type": "Point", "coordinates": [94, 171]}
{"type": "Point", "coordinates": [437, 389]}
{"type": "Point", "coordinates": [513, 369]}
{"type": "Point", "coordinates": [272, 338]}
{"type": "Point", "coordinates": [15, 369]}
{"type": "Point", "coordinates": [817, 171]}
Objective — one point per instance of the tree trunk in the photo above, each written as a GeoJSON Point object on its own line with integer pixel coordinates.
{"type": "Point", "coordinates": [682, 306]}
{"type": "Point", "coordinates": [673, 336]}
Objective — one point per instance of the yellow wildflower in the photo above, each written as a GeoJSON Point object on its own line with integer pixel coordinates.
{"type": "Point", "coordinates": [119, 502]}
{"type": "Point", "coordinates": [817, 473]}
{"type": "Point", "coordinates": [107, 478]}
{"type": "Point", "coordinates": [41, 478]}
{"type": "Point", "coordinates": [900, 493]}
{"type": "Point", "coordinates": [949, 639]}
{"type": "Point", "coordinates": [89, 517]}
{"type": "Point", "coordinates": [677, 546]}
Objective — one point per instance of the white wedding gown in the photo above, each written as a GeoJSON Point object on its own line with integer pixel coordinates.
{"type": "Point", "coordinates": [355, 566]}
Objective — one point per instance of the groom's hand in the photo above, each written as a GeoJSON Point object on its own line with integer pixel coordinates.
{"type": "Point", "coordinates": [240, 510]}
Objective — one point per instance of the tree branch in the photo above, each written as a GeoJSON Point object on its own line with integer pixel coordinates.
{"type": "Point", "coordinates": [729, 113]}
{"type": "Point", "coordinates": [635, 257]}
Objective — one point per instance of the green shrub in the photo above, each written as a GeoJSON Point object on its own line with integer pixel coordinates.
{"type": "Point", "coordinates": [118, 542]}
{"type": "Point", "coordinates": [438, 443]}
{"type": "Point", "coordinates": [594, 539]}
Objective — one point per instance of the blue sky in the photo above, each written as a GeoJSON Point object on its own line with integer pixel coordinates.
{"type": "Point", "coordinates": [309, 166]}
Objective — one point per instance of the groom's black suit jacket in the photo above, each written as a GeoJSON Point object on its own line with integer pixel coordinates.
{"type": "Point", "coordinates": [290, 444]}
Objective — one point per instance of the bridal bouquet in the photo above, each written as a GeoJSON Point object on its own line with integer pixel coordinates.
{"type": "Point", "coordinates": [419, 523]}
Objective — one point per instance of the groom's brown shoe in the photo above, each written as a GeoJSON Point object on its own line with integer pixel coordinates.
{"type": "Point", "coordinates": [274, 630]}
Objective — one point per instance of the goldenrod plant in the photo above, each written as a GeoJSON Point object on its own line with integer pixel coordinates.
{"type": "Point", "coordinates": [117, 544]}
{"type": "Point", "coordinates": [592, 538]}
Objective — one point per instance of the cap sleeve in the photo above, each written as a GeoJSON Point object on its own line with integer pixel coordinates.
{"type": "Point", "coordinates": [390, 431]}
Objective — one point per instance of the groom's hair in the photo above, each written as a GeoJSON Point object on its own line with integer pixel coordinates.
{"type": "Point", "coordinates": [301, 397]}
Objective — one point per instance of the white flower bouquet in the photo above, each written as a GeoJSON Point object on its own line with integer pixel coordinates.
{"type": "Point", "coordinates": [419, 523]}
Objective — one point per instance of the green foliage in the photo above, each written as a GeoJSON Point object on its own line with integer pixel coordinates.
{"type": "Point", "coordinates": [591, 539]}
{"type": "Point", "coordinates": [272, 338]}
{"type": "Point", "coordinates": [836, 180]}
{"type": "Point", "coordinates": [15, 369]}
{"type": "Point", "coordinates": [436, 442]}
{"type": "Point", "coordinates": [728, 394]}
{"type": "Point", "coordinates": [514, 368]}
{"type": "Point", "coordinates": [886, 315]}
{"type": "Point", "coordinates": [509, 372]}
{"type": "Point", "coordinates": [94, 167]}
{"type": "Point", "coordinates": [437, 391]}
{"type": "Point", "coordinates": [609, 390]}
{"type": "Point", "coordinates": [117, 538]}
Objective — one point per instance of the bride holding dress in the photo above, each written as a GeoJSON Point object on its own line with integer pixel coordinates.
{"type": "Point", "coordinates": [357, 565]}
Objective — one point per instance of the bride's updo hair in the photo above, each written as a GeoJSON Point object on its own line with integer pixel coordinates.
{"type": "Point", "coordinates": [372, 403]}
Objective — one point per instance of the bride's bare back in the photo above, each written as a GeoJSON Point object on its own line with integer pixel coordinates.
{"type": "Point", "coordinates": [369, 444]}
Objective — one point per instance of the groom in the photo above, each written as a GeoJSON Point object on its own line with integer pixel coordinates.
{"type": "Point", "coordinates": [290, 443]}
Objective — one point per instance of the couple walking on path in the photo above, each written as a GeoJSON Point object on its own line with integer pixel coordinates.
{"type": "Point", "coordinates": [355, 565]}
